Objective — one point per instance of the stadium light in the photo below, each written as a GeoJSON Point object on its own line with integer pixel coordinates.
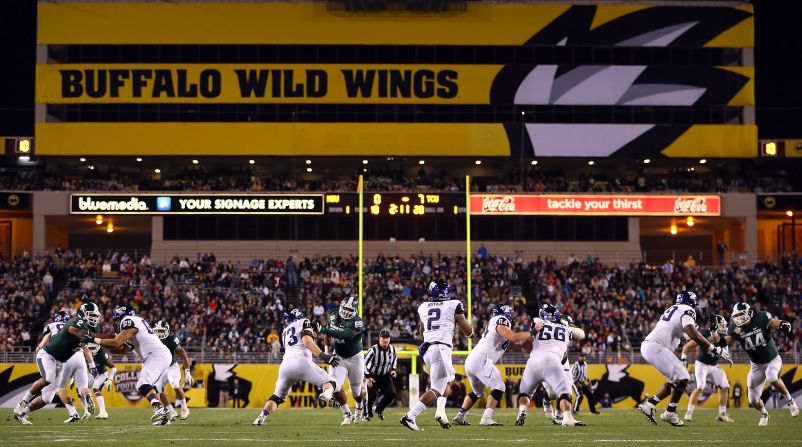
{"type": "Point", "coordinates": [364, 162]}
{"type": "Point", "coordinates": [91, 168]}
{"type": "Point", "coordinates": [110, 228]}
{"type": "Point", "coordinates": [309, 162]}
{"type": "Point", "coordinates": [702, 161]}
{"type": "Point", "coordinates": [308, 169]}
{"type": "Point", "coordinates": [24, 158]}
{"type": "Point", "coordinates": [690, 221]}
{"type": "Point", "coordinates": [534, 162]}
{"type": "Point", "coordinates": [157, 171]}
{"type": "Point", "coordinates": [478, 162]}
{"type": "Point", "coordinates": [646, 161]}
{"type": "Point", "coordinates": [251, 162]}
{"type": "Point", "coordinates": [591, 163]}
{"type": "Point", "coordinates": [789, 213]}
{"type": "Point", "coordinates": [82, 159]}
{"type": "Point", "coordinates": [673, 230]}
{"type": "Point", "coordinates": [420, 162]}
{"type": "Point", "coordinates": [138, 158]}
{"type": "Point", "coordinates": [99, 219]}
{"type": "Point", "coordinates": [194, 162]}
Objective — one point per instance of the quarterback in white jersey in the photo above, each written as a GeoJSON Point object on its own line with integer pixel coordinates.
{"type": "Point", "coordinates": [658, 349]}
{"type": "Point", "coordinates": [297, 364]}
{"type": "Point", "coordinates": [549, 347]}
{"type": "Point", "coordinates": [480, 365]}
{"type": "Point", "coordinates": [439, 317]}
{"type": "Point", "coordinates": [134, 332]}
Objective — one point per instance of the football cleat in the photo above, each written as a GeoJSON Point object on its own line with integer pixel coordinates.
{"type": "Point", "coordinates": [672, 418]}
{"type": "Point", "coordinates": [173, 415]}
{"type": "Point", "coordinates": [18, 409]}
{"type": "Point", "coordinates": [649, 411]}
{"type": "Point", "coordinates": [348, 420]}
{"type": "Point", "coordinates": [184, 413]}
{"type": "Point", "coordinates": [89, 403]}
{"type": "Point", "coordinates": [102, 415]}
{"type": "Point", "coordinates": [489, 423]}
{"type": "Point", "coordinates": [547, 410]}
{"type": "Point", "coordinates": [568, 420]}
{"type": "Point", "coordinates": [442, 419]}
{"type": "Point", "coordinates": [22, 419]}
{"type": "Point", "coordinates": [159, 413]}
{"type": "Point", "coordinates": [165, 420]}
{"type": "Point", "coordinates": [380, 415]}
{"type": "Point", "coordinates": [72, 419]}
{"type": "Point", "coordinates": [86, 415]}
{"type": "Point", "coordinates": [459, 419]}
{"type": "Point", "coordinates": [764, 420]}
{"type": "Point", "coordinates": [723, 417]}
{"type": "Point", "coordinates": [410, 424]}
{"type": "Point", "coordinates": [260, 420]}
{"type": "Point", "coordinates": [793, 409]}
{"type": "Point", "coordinates": [327, 397]}
{"type": "Point", "coordinates": [688, 416]}
{"type": "Point", "coordinates": [521, 420]}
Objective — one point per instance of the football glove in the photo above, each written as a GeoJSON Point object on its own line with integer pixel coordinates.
{"type": "Point", "coordinates": [316, 325]}
{"type": "Point", "coordinates": [719, 351]}
{"type": "Point", "coordinates": [785, 326]}
{"type": "Point", "coordinates": [187, 377]}
{"type": "Point", "coordinates": [86, 338]}
{"type": "Point", "coordinates": [110, 379]}
{"type": "Point", "coordinates": [107, 383]}
{"type": "Point", "coordinates": [684, 359]}
{"type": "Point", "coordinates": [331, 359]}
{"type": "Point", "coordinates": [93, 371]}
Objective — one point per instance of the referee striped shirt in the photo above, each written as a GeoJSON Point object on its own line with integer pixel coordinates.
{"type": "Point", "coordinates": [380, 361]}
{"type": "Point", "coordinates": [579, 371]}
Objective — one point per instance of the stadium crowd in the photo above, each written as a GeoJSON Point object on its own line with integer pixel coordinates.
{"type": "Point", "coordinates": [229, 307]}
{"type": "Point", "coordinates": [528, 179]}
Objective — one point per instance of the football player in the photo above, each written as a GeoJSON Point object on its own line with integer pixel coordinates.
{"type": "Point", "coordinates": [480, 365]}
{"type": "Point", "coordinates": [658, 349]}
{"type": "Point", "coordinates": [299, 347]}
{"type": "Point", "coordinates": [173, 375]}
{"type": "Point", "coordinates": [345, 330]}
{"type": "Point", "coordinates": [545, 363]}
{"type": "Point", "coordinates": [753, 332]}
{"type": "Point", "coordinates": [438, 316]}
{"type": "Point", "coordinates": [156, 358]}
{"type": "Point", "coordinates": [55, 351]}
{"type": "Point", "coordinates": [106, 371]}
{"type": "Point", "coordinates": [706, 365]}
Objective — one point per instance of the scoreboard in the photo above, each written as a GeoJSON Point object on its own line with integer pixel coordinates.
{"type": "Point", "coordinates": [406, 204]}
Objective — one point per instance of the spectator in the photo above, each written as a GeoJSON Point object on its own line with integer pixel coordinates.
{"type": "Point", "coordinates": [721, 249]}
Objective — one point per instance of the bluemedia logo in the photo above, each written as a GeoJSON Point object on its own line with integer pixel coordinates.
{"type": "Point", "coordinates": [163, 203]}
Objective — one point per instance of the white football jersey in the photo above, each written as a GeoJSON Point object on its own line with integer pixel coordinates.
{"type": "Point", "coordinates": [552, 339]}
{"type": "Point", "coordinates": [438, 318]}
{"type": "Point", "coordinates": [145, 341]}
{"type": "Point", "coordinates": [669, 329]}
{"type": "Point", "coordinates": [292, 338]}
{"type": "Point", "coordinates": [53, 328]}
{"type": "Point", "coordinates": [492, 343]}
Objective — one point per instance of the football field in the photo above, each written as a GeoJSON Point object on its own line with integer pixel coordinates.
{"type": "Point", "coordinates": [321, 426]}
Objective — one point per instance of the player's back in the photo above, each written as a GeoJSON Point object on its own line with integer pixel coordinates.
{"type": "Point", "coordinates": [439, 319]}
{"type": "Point", "coordinates": [145, 341]}
{"type": "Point", "coordinates": [53, 328]}
{"type": "Point", "coordinates": [669, 329]}
{"type": "Point", "coordinates": [292, 338]}
{"type": "Point", "coordinates": [492, 343]}
{"type": "Point", "coordinates": [553, 339]}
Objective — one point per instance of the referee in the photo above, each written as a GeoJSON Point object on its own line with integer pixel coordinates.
{"type": "Point", "coordinates": [579, 373]}
{"type": "Point", "coordinates": [381, 362]}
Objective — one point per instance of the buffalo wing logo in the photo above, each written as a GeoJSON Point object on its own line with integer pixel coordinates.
{"type": "Point", "coordinates": [504, 204]}
{"type": "Point", "coordinates": [769, 202]}
{"type": "Point", "coordinates": [794, 389]}
{"type": "Point", "coordinates": [125, 384]}
{"type": "Point", "coordinates": [686, 205]}
{"type": "Point", "coordinates": [13, 200]}
{"type": "Point", "coordinates": [618, 384]}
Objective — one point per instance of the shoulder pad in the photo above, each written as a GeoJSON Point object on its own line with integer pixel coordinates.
{"type": "Point", "coordinates": [690, 313]}
{"type": "Point", "coordinates": [175, 340]}
{"type": "Point", "coordinates": [127, 323]}
{"type": "Point", "coordinates": [359, 324]}
{"type": "Point", "coordinates": [768, 315]}
{"type": "Point", "coordinates": [460, 309]}
{"type": "Point", "coordinates": [503, 321]}
{"type": "Point", "coordinates": [307, 324]}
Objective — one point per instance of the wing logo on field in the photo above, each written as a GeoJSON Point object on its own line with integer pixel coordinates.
{"type": "Point", "coordinates": [773, 399]}
{"type": "Point", "coordinates": [224, 382]}
{"type": "Point", "coordinates": [12, 390]}
{"type": "Point", "coordinates": [618, 384]}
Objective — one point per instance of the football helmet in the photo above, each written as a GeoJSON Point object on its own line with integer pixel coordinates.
{"type": "Point", "coordinates": [549, 312]}
{"type": "Point", "coordinates": [349, 307]}
{"type": "Point", "coordinates": [121, 312]}
{"type": "Point", "coordinates": [440, 290]}
{"type": "Point", "coordinates": [61, 317]}
{"type": "Point", "coordinates": [293, 315]}
{"type": "Point", "coordinates": [687, 298]}
{"type": "Point", "coordinates": [718, 324]}
{"type": "Point", "coordinates": [90, 313]}
{"type": "Point", "coordinates": [505, 310]}
{"type": "Point", "coordinates": [93, 348]}
{"type": "Point", "coordinates": [162, 329]}
{"type": "Point", "coordinates": [566, 320]}
{"type": "Point", "coordinates": [742, 314]}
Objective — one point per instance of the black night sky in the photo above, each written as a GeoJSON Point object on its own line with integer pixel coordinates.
{"type": "Point", "coordinates": [778, 60]}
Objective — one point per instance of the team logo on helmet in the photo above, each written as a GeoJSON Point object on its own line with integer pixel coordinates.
{"type": "Point", "coordinates": [349, 308]}
{"type": "Point", "coordinates": [90, 313]}
{"type": "Point", "coordinates": [293, 315]}
{"type": "Point", "coordinates": [121, 312]}
{"type": "Point", "coordinates": [505, 310]}
{"type": "Point", "coordinates": [440, 290]}
{"type": "Point", "coordinates": [162, 329]}
{"type": "Point", "coordinates": [61, 317]}
{"type": "Point", "coordinates": [742, 314]}
{"type": "Point", "coordinates": [687, 298]}
{"type": "Point", "coordinates": [549, 313]}
{"type": "Point", "coordinates": [718, 324]}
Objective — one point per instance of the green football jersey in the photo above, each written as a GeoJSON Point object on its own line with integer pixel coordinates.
{"type": "Point", "coordinates": [704, 356]}
{"type": "Point", "coordinates": [172, 344]}
{"type": "Point", "coordinates": [63, 345]}
{"type": "Point", "coordinates": [100, 360]}
{"type": "Point", "coordinates": [345, 345]}
{"type": "Point", "coordinates": [755, 338]}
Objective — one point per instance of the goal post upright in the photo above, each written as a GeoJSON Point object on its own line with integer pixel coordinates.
{"type": "Point", "coordinates": [361, 260]}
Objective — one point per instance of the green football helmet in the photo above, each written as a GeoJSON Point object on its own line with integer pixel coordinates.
{"type": "Point", "coordinates": [90, 313]}
{"type": "Point", "coordinates": [162, 329]}
{"type": "Point", "coordinates": [349, 307]}
{"type": "Point", "coordinates": [742, 314]}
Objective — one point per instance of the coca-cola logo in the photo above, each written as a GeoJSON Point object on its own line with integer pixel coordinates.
{"type": "Point", "coordinates": [690, 205]}
{"type": "Point", "coordinates": [504, 204]}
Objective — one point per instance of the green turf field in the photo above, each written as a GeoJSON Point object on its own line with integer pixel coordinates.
{"type": "Point", "coordinates": [294, 426]}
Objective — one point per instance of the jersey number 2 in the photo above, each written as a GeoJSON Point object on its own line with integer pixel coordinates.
{"type": "Point", "coordinates": [434, 315]}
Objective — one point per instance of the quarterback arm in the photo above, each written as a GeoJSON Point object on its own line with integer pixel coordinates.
{"type": "Point", "coordinates": [463, 324]}
{"type": "Point", "coordinates": [119, 340]}
{"type": "Point", "coordinates": [512, 336]}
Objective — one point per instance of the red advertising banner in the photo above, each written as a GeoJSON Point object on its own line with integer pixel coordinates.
{"type": "Point", "coordinates": [596, 205]}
